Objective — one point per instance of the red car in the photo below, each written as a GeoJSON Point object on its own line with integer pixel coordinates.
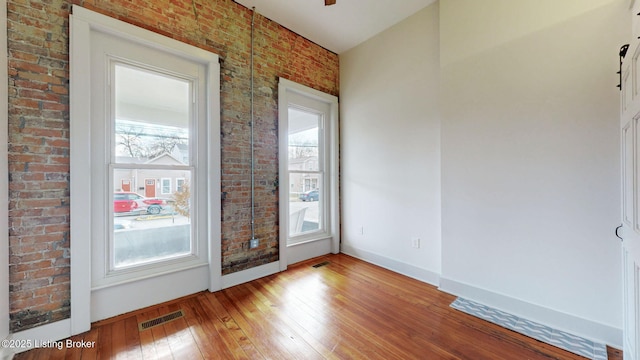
{"type": "Point", "coordinates": [130, 202]}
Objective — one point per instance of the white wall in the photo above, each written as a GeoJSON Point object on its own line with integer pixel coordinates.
{"type": "Point", "coordinates": [390, 148]}
{"type": "Point", "coordinates": [519, 117]}
{"type": "Point", "coordinates": [530, 154]}
{"type": "Point", "coordinates": [471, 27]}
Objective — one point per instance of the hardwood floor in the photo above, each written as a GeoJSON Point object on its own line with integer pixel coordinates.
{"type": "Point", "coordinates": [347, 309]}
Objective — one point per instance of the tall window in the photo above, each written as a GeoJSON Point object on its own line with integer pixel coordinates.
{"type": "Point", "coordinates": [306, 171]}
{"type": "Point", "coordinates": [145, 177]}
{"type": "Point", "coordinates": [166, 186]}
{"type": "Point", "coordinates": [180, 184]}
{"type": "Point", "coordinates": [308, 167]}
{"type": "Point", "coordinates": [152, 122]}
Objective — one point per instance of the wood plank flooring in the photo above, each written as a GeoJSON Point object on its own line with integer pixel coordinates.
{"type": "Point", "coordinates": [347, 309]}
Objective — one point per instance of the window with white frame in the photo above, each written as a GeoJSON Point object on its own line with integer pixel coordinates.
{"type": "Point", "coordinates": [143, 108]}
{"type": "Point", "coordinates": [166, 186]}
{"type": "Point", "coordinates": [308, 130]}
{"type": "Point", "coordinates": [180, 184]}
{"type": "Point", "coordinates": [148, 127]}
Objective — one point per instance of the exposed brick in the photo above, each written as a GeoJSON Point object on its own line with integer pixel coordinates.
{"type": "Point", "coordinates": [38, 51]}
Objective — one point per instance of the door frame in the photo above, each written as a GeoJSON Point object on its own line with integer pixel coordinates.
{"type": "Point", "coordinates": [298, 252]}
{"type": "Point", "coordinates": [149, 187]}
{"type": "Point", "coordinates": [125, 185]}
{"type": "Point", "coordinates": [82, 23]}
{"type": "Point", "coordinates": [4, 183]}
{"type": "Point", "coordinates": [629, 131]}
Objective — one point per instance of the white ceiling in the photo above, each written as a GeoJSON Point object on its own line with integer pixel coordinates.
{"type": "Point", "coordinates": [337, 27]}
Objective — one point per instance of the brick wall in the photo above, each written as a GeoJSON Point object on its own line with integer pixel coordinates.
{"type": "Point", "coordinates": [39, 131]}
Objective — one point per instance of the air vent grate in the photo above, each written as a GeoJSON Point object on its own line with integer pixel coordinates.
{"type": "Point", "coordinates": [321, 264]}
{"type": "Point", "coordinates": [160, 320]}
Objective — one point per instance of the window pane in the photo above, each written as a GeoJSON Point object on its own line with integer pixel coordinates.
{"type": "Point", "coordinates": [303, 140]}
{"type": "Point", "coordinates": [149, 225]}
{"type": "Point", "coordinates": [151, 116]}
{"type": "Point", "coordinates": [305, 202]}
{"type": "Point", "coordinates": [166, 186]}
{"type": "Point", "coordinates": [151, 218]}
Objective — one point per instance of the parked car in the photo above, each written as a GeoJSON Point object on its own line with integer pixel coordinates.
{"type": "Point", "coordinates": [129, 202]}
{"type": "Point", "coordinates": [312, 195]}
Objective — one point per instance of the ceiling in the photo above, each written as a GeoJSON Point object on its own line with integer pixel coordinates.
{"type": "Point", "coordinates": [337, 27]}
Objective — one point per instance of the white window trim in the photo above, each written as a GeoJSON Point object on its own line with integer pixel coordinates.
{"type": "Point", "coordinates": [4, 182]}
{"type": "Point", "coordinates": [333, 228]}
{"type": "Point", "coordinates": [162, 186]}
{"type": "Point", "coordinates": [82, 22]}
{"type": "Point", "coordinates": [178, 183]}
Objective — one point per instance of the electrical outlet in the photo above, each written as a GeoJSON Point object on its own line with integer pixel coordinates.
{"type": "Point", "coordinates": [253, 243]}
{"type": "Point", "coordinates": [415, 243]}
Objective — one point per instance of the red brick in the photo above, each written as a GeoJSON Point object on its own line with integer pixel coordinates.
{"type": "Point", "coordinates": [39, 203]}
{"type": "Point", "coordinates": [36, 265]}
{"type": "Point", "coordinates": [39, 130]}
{"type": "Point", "coordinates": [28, 302]}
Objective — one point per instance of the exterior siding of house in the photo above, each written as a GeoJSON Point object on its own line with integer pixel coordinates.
{"type": "Point", "coordinates": [135, 180]}
{"type": "Point", "coordinates": [38, 45]}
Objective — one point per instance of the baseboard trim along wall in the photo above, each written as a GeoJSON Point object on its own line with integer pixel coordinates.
{"type": "Point", "coordinates": [411, 271]}
{"type": "Point", "coordinates": [49, 335]}
{"type": "Point", "coordinates": [6, 354]}
{"type": "Point", "coordinates": [558, 320]}
{"type": "Point", "coordinates": [53, 334]}
{"type": "Point", "coordinates": [254, 273]}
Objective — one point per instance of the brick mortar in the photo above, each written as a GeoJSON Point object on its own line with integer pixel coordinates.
{"type": "Point", "coordinates": [39, 131]}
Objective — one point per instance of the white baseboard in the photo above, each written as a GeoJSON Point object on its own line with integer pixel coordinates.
{"type": "Point", "coordinates": [411, 271]}
{"type": "Point", "coordinates": [38, 337]}
{"type": "Point", "coordinates": [49, 333]}
{"type": "Point", "coordinates": [585, 328]}
{"type": "Point", "coordinates": [6, 353]}
{"type": "Point", "coordinates": [254, 273]}
{"type": "Point", "coordinates": [305, 251]}
{"type": "Point", "coordinates": [558, 320]}
{"type": "Point", "coordinates": [107, 302]}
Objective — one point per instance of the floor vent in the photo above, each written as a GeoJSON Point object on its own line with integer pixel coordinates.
{"type": "Point", "coordinates": [321, 264]}
{"type": "Point", "coordinates": [160, 320]}
{"type": "Point", "coordinates": [561, 339]}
